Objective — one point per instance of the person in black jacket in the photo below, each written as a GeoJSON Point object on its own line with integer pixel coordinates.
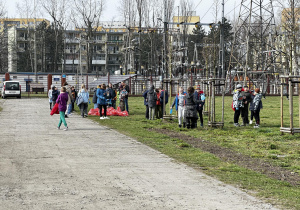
{"type": "Point", "coordinates": [151, 98]}
{"type": "Point", "coordinates": [247, 98]}
{"type": "Point", "coordinates": [190, 108]}
{"type": "Point", "coordinates": [55, 94]}
{"type": "Point", "coordinates": [146, 103]}
{"type": "Point", "coordinates": [199, 94]}
{"type": "Point", "coordinates": [111, 94]}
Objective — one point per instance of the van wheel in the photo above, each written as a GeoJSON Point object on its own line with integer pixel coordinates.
{"type": "Point", "coordinates": [19, 97]}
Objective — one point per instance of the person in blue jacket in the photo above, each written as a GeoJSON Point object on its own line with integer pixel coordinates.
{"type": "Point", "coordinates": [101, 100]}
{"type": "Point", "coordinates": [146, 103]}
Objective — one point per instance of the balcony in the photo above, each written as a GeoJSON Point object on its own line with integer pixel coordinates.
{"type": "Point", "coordinates": [114, 62]}
{"type": "Point", "coordinates": [114, 41]}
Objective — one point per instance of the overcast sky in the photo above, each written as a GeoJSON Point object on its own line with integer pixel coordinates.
{"type": "Point", "coordinates": [204, 9]}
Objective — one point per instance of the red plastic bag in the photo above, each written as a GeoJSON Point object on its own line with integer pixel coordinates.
{"type": "Point", "coordinates": [94, 112]}
{"type": "Point", "coordinates": [54, 110]}
{"type": "Point", "coordinates": [232, 107]}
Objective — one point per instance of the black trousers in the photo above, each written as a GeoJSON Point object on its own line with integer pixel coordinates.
{"type": "Point", "coordinates": [251, 115]}
{"type": "Point", "coordinates": [245, 113]}
{"type": "Point", "coordinates": [256, 116]}
{"type": "Point", "coordinates": [236, 116]}
{"type": "Point", "coordinates": [200, 112]}
{"type": "Point", "coordinates": [147, 112]}
{"type": "Point", "coordinates": [191, 122]}
{"type": "Point", "coordinates": [100, 109]}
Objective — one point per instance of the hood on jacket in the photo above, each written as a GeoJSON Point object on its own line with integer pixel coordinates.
{"type": "Point", "coordinates": [151, 89]}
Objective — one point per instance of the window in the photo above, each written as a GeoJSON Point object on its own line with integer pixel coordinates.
{"type": "Point", "coordinates": [41, 77]}
{"type": "Point", "coordinates": [15, 77]}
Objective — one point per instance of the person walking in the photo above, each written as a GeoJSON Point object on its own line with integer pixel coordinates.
{"type": "Point", "coordinates": [84, 105]}
{"type": "Point", "coordinates": [152, 99]}
{"type": "Point", "coordinates": [62, 101]}
{"type": "Point", "coordinates": [74, 96]}
{"type": "Point", "coordinates": [257, 106]}
{"type": "Point", "coordinates": [247, 98]}
{"type": "Point", "coordinates": [146, 103]}
{"type": "Point", "coordinates": [199, 94]}
{"type": "Point", "coordinates": [101, 101]}
{"type": "Point", "coordinates": [237, 104]}
{"type": "Point", "coordinates": [190, 108]}
{"type": "Point", "coordinates": [179, 104]}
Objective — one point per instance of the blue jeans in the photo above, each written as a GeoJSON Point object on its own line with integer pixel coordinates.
{"type": "Point", "coordinates": [95, 106]}
{"type": "Point", "coordinates": [69, 109]}
{"type": "Point", "coordinates": [126, 104]}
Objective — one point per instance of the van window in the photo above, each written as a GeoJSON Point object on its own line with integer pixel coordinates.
{"type": "Point", "coordinates": [12, 86]}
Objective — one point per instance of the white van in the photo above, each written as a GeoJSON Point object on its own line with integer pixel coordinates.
{"type": "Point", "coordinates": [11, 89]}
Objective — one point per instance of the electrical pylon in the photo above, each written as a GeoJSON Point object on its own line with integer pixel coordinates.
{"type": "Point", "coordinates": [253, 53]}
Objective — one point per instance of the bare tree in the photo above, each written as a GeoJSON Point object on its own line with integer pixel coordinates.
{"type": "Point", "coordinates": [3, 41]}
{"type": "Point", "coordinates": [290, 13]}
{"type": "Point", "coordinates": [87, 16]}
{"type": "Point", "coordinates": [58, 11]}
{"type": "Point", "coordinates": [2, 9]}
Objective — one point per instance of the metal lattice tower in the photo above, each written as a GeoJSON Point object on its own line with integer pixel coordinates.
{"type": "Point", "coordinates": [253, 50]}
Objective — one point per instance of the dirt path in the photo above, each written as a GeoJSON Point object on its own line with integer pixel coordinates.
{"type": "Point", "coordinates": [92, 167]}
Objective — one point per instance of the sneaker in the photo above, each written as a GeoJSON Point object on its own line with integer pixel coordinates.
{"type": "Point", "coordinates": [201, 125]}
{"type": "Point", "coordinates": [242, 124]}
{"type": "Point", "coordinates": [58, 128]}
{"type": "Point", "coordinates": [179, 126]}
{"type": "Point", "coordinates": [66, 116]}
{"type": "Point", "coordinates": [106, 117]}
{"type": "Point", "coordinates": [236, 125]}
{"type": "Point", "coordinates": [66, 128]}
{"type": "Point", "coordinates": [102, 118]}
{"type": "Point", "coordinates": [250, 122]}
{"type": "Point", "coordinates": [256, 126]}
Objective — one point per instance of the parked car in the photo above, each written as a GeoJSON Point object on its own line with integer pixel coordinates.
{"type": "Point", "coordinates": [11, 89]}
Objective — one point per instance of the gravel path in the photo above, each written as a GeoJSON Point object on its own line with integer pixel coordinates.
{"type": "Point", "coordinates": [93, 167]}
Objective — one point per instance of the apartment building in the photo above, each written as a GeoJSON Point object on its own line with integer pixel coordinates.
{"type": "Point", "coordinates": [105, 48]}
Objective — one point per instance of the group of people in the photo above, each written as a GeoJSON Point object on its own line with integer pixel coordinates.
{"type": "Point", "coordinates": [187, 104]}
{"type": "Point", "coordinates": [153, 100]}
{"type": "Point", "coordinates": [244, 100]}
{"type": "Point", "coordinates": [106, 96]}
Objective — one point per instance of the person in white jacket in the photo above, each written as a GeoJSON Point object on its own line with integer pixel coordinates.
{"type": "Point", "coordinates": [237, 104]}
{"type": "Point", "coordinates": [50, 97]}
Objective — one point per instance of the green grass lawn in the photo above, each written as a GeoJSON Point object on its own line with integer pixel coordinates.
{"type": "Point", "coordinates": [265, 143]}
